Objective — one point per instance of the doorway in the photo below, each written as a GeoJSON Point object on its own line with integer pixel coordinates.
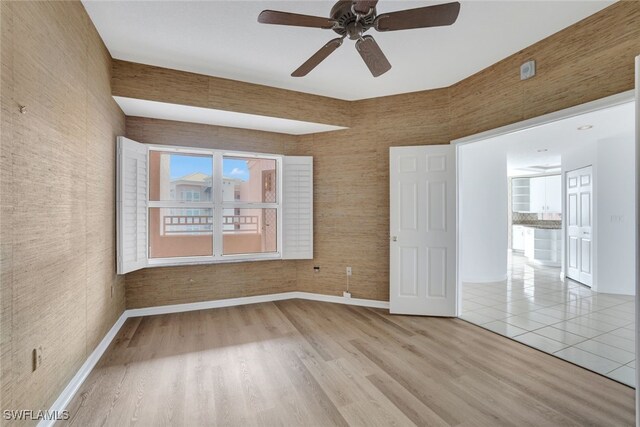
{"type": "Point", "coordinates": [525, 296]}
{"type": "Point", "coordinates": [546, 256]}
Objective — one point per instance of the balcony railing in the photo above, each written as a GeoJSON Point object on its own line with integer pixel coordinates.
{"type": "Point", "coordinates": [203, 224]}
{"type": "Point", "coordinates": [240, 224]}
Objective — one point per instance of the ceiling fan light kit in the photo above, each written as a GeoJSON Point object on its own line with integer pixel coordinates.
{"type": "Point", "coordinates": [352, 19]}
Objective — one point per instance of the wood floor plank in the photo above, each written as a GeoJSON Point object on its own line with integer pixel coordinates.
{"type": "Point", "coordinates": [304, 332]}
{"type": "Point", "coordinates": [307, 363]}
{"type": "Point", "coordinates": [415, 410]}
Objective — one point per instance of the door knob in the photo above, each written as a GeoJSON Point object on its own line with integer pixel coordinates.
{"type": "Point", "coordinates": [394, 238]}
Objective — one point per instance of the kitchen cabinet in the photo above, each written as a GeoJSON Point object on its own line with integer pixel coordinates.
{"type": "Point", "coordinates": [543, 246]}
{"type": "Point", "coordinates": [541, 194]}
{"type": "Point", "coordinates": [517, 238]}
{"type": "Point", "coordinates": [538, 194]}
{"type": "Point", "coordinates": [520, 195]}
{"type": "Point", "coordinates": [553, 194]}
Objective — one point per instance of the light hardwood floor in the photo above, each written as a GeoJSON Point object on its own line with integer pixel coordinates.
{"type": "Point", "coordinates": [311, 363]}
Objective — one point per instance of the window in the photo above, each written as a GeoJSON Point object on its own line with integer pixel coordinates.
{"type": "Point", "coordinates": [181, 205]}
{"type": "Point", "coordinates": [250, 205]}
{"type": "Point", "coordinates": [180, 226]}
{"type": "Point", "coordinates": [198, 215]}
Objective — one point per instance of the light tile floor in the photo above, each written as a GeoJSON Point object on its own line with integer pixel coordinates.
{"type": "Point", "coordinates": [566, 319]}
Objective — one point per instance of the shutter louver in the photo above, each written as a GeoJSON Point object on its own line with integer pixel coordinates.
{"type": "Point", "coordinates": [297, 206]}
{"type": "Point", "coordinates": [131, 205]}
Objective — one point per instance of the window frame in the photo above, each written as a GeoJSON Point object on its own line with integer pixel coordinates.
{"type": "Point", "coordinates": [218, 205]}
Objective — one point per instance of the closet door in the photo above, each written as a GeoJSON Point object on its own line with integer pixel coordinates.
{"type": "Point", "coordinates": [579, 225]}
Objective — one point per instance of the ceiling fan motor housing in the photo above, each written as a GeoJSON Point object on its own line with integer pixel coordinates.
{"type": "Point", "coordinates": [343, 14]}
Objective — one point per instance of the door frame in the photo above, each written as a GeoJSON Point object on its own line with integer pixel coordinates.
{"type": "Point", "coordinates": [599, 104]}
{"type": "Point", "coordinates": [637, 97]}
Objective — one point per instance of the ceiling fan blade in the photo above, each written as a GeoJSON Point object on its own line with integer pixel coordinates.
{"type": "Point", "coordinates": [422, 17]}
{"type": "Point", "coordinates": [364, 6]}
{"type": "Point", "coordinates": [317, 57]}
{"type": "Point", "coordinates": [294, 19]}
{"type": "Point", "coordinates": [373, 56]}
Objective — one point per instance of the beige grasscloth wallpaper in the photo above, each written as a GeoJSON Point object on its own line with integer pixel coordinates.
{"type": "Point", "coordinates": [589, 60]}
{"type": "Point", "coordinates": [58, 285]}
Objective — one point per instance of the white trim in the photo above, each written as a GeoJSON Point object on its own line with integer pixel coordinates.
{"type": "Point", "coordinates": [178, 261]}
{"type": "Point", "coordinates": [342, 300]}
{"type": "Point", "coordinates": [637, 299]}
{"type": "Point", "coordinates": [74, 385]}
{"type": "Point", "coordinates": [231, 302]}
{"type": "Point", "coordinates": [183, 149]}
{"type": "Point", "coordinates": [205, 305]}
{"type": "Point", "coordinates": [598, 104]}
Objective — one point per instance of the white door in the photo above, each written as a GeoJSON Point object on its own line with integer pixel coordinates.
{"type": "Point", "coordinates": [579, 225]}
{"type": "Point", "coordinates": [423, 230]}
{"type": "Point", "coordinates": [553, 194]}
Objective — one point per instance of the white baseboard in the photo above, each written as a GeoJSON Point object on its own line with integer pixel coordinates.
{"type": "Point", "coordinates": [204, 305]}
{"type": "Point", "coordinates": [74, 385]}
{"type": "Point", "coordinates": [342, 300]}
{"type": "Point", "coordinates": [230, 302]}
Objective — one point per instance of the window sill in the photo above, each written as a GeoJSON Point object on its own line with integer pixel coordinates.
{"type": "Point", "coordinates": [175, 262]}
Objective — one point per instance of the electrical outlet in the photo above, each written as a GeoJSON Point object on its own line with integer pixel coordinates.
{"type": "Point", "coordinates": [36, 358]}
{"type": "Point", "coordinates": [316, 269]}
{"type": "Point", "coordinates": [349, 271]}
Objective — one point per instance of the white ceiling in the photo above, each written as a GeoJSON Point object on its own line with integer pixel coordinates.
{"type": "Point", "coordinates": [523, 148]}
{"type": "Point", "coordinates": [223, 38]}
{"type": "Point", "coordinates": [184, 113]}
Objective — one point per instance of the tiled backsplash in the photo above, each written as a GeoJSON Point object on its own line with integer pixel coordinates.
{"type": "Point", "coordinates": [541, 219]}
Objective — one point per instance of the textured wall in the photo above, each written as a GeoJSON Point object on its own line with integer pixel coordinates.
{"type": "Point", "coordinates": [179, 87]}
{"type": "Point", "coordinates": [586, 61]}
{"type": "Point", "coordinates": [351, 190]}
{"type": "Point", "coordinates": [59, 289]}
{"type": "Point", "coordinates": [174, 285]}
{"type": "Point", "coordinates": [589, 60]}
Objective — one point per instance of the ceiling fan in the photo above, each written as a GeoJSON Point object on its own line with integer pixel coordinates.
{"type": "Point", "coordinates": [354, 18]}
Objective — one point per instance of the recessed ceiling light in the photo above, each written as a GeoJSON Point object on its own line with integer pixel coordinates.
{"type": "Point", "coordinates": [542, 150]}
{"type": "Point", "coordinates": [585, 127]}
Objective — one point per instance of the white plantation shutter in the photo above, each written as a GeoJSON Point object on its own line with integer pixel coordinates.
{"type": "Point", "coordinates": [297, 207]}
{"type": "Point", "coordinates": [131, 197]}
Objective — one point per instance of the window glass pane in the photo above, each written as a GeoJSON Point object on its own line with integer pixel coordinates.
{"type": "Point", "coordinates": [180, 232]}
{"type": "Point", "coordinates": [179, 177]}
{"type": "Point", "coordinates": [248, 231]}
{"type": "Point", "coordinates": [249, 180]}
